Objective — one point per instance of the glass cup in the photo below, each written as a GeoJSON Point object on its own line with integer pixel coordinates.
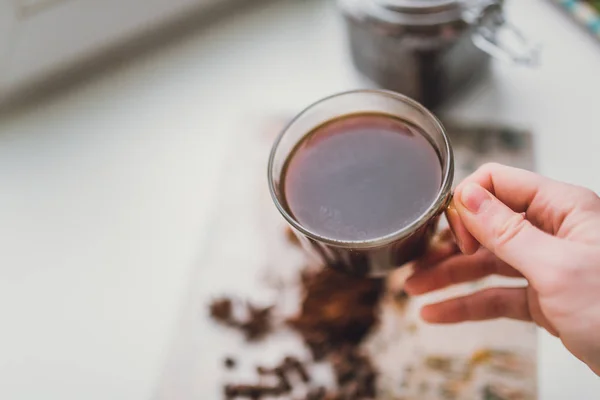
{"type": "Point", "coordinates": [373, 256]}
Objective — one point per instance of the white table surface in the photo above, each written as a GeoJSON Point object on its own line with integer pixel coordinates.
{"type": "Point", "coordinates": [106, 189]}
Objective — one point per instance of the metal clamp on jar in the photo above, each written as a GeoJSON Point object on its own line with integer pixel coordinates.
{"type": "Point", "coordinates": [431, 49]}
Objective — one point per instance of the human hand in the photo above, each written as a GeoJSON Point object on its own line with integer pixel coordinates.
{"type": "Point", "coordinates": [515, 223]}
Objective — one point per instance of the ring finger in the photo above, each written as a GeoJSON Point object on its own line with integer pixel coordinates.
{"type": "Point", "coordinates": [483, 305]}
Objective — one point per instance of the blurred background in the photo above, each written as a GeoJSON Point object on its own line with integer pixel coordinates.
{"type": "Point", "coordinates": [117, 116]}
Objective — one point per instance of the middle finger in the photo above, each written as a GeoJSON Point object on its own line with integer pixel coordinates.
{"type": "Point", "coordinates": [458, 269]}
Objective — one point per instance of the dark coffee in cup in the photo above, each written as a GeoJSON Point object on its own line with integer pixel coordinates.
{"type": "Point", "coordinates": [361, 177]}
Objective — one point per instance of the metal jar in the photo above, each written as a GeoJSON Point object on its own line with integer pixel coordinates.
{"type": "Point", "coordinates": [430, 49]}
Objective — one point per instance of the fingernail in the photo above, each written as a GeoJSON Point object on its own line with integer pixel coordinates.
{"type": "Point", "coordinates": [475, 198]}
{"type": "Point", "coordinates": [429, 315]}
{"type": "Point", "coordinates": [453, 220]}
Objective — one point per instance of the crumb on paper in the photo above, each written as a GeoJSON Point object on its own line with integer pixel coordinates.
{"type": "Point", "coordinates": [256, 323]}
{"type": "Point", "coordinates": [230, 363]}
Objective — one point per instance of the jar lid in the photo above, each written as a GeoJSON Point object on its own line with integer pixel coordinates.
{"type": "Point", "coordinates": [419, 6]}
{"type": "Point", "coordinates": [400, 14]}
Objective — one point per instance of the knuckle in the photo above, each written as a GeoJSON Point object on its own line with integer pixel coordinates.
{"type": "Point", "coordinates": [509, 229]}
{"type": "Point", "coordinates": [489, 168]}
{"type": "Point", "coordinates": [588, 198]}
{"type": "Point", "coordinates": [589, 194]}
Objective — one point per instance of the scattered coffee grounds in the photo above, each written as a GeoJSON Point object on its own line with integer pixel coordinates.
{"type": "Point", "coordinates": [293, 364]}
{"type": "Point", "coordinates": [499, 392]}
{"type": "Point", "coordinates": [251, 391]}
{"type": "Point", "coordinates": [280, 372]}
{"type": "Point", "coordinates": [258, 324]}
{"type": "Point", "coordinates": [317, 394]}
{"type": "Point", "coordinates": [439, 363]}
{"type": "Point", "coordinates": [291, 236]}
{"type": "Point", "coordinates": [337, 313]}
{"type": "Point", "coordinates": [337, 310]}
{"type": "Point", "coordinates": [230, 363]}
{"type": "Point", "coordinates": [255, 323]}
{"type": "Point", "coordinates": [221, 310]}
{"type": "Point", "coordinates": [354, 374]}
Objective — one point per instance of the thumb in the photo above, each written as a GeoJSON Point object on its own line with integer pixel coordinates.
{"type": "Point", "coordinates": [507, 234]}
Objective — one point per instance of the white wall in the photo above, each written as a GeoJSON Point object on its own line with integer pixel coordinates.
{"type": "Point", "coordinates": [38, 37]}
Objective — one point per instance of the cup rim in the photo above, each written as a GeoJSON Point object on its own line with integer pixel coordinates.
{"type": "Point", "coordinates": [441, 201]}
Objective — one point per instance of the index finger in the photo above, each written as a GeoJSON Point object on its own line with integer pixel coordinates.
{"type": "Point", "coordinates": [544, 202]}
{"type": "Point", "coordinates": [526, 192]}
